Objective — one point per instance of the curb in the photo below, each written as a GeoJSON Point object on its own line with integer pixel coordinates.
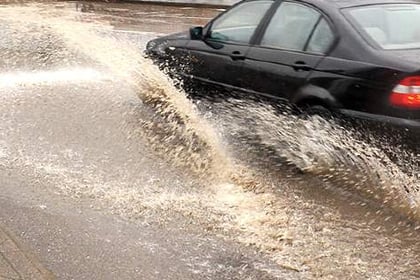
{"type": "Point", "coordinates": [16, 262]}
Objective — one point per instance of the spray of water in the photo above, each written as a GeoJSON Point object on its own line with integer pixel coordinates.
{"type": "Point", "coordinates": [180, 134]}
{"type": "Point", "coordinates": [324, 148]}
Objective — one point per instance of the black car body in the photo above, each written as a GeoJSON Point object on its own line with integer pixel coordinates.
{"type": "Point", "coordinates": [311, 53]}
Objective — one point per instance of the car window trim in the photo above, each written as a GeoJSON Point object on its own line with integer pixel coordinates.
{"type": "Point", "coordinates": [291, 51]}
{"type": "Point", "coordinates": [278, 6]}
{"type": "Point", "coordinates": [305, 47]}
{"type": "Point", "coordinates": [259, 32]}
{"type": "Point", "coordinates": [209, 25]}
{"type": "Point", "coordinates": [333, 42]}
{"type": "Point", "coordinates": [323, 15]}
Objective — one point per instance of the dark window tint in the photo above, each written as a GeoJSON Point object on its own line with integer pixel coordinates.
{"type": "Point", "coordinates": [322, 38]}
{"type": "Point", "coordinates": [239, 24]}
{"type": "Point", "coordinates": [290, 27]}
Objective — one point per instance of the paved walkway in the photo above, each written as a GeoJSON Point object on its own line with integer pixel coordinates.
{"type": "Point", "coordinates": [16, 263]}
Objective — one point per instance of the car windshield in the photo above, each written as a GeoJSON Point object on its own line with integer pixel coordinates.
{"type": "Point", "coordinates": [392, 26]}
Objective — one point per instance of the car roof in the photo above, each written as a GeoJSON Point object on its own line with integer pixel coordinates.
{"type": "Point", "coordinates": [354, 3]}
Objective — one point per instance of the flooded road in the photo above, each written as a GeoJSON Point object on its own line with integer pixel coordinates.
{"type": "Point", "coordinates": [102, 183]}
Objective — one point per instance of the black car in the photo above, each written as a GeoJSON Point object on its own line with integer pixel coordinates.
{"type": "Point", "coordinates": [359, 58]}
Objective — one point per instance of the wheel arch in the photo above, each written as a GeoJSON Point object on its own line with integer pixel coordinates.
{"type": "Point", "coordinates": [314, 95]}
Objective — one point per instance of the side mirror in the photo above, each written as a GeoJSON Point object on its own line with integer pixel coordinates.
{"type": "Point", "coordinates": [196, 33]}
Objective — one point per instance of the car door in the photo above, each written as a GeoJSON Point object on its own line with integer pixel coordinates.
{"type": "Point", "coordinates": [219, 56]}
{"type": "Point", "coordinates": [280, 62]}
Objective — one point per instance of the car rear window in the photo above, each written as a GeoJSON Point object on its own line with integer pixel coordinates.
{"type": "Point", "coordinates": [392, 26]}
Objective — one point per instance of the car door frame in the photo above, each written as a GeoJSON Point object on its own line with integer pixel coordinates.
{"type": "Point", "coordinates": [262, 28]}
{"type": "Point", "coordinates": [268, 15]}
{"type": "Point", "coordinates": [260, 31]}
{"type": "Point", "coordinates": [215, 44]}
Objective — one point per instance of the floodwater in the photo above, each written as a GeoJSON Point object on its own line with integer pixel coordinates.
{"type": "Point", "coordinates": [86, 115]}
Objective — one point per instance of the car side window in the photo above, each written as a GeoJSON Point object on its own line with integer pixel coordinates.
{"type": "Point", "coordinates": [290, 27]}
{"type": "Point", "coordinates": [240, 23]}
{"type": "Point", "coordinates": [322, 38]}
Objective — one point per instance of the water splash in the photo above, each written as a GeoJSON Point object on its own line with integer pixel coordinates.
{"type": "Point", "coordinates": [326, 149]}
{"type": "Point", "coordinates": [180, 134]}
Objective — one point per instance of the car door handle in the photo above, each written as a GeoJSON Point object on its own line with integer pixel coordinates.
{"type": "Point", "coordinates": [301, 66]}
{"type": "Point", "coordinates": [237, 55]}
